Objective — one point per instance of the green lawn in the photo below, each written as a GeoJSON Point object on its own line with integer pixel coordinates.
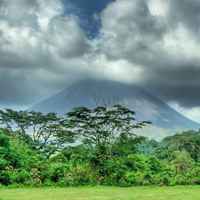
{"type": "Point", "coordinates": [103, 193]}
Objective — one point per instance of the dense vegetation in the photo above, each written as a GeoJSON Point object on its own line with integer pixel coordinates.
{"type": "Point", "coordinates": [92, 147]}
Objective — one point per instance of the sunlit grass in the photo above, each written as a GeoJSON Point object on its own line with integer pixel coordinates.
{"type": "Point", "coordinates": [103, 193]}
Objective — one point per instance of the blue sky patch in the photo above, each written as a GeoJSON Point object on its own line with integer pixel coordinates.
{"type": "Point", "coordinates": [86, 10]}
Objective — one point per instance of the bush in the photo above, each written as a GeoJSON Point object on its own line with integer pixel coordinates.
{"type": "Point", "coordinates": [20, 164]}
{"type": "Point", "coordinates": [20, 177]}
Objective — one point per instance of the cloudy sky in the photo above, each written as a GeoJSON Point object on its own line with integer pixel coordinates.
{"type": "Point", "coordinates": [46, 45]}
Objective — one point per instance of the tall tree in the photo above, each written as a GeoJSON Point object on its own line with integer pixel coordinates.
{"type": "Point", "coordinates": [44, 131]}
{"type": "Point", "coordinates": [102, 125]}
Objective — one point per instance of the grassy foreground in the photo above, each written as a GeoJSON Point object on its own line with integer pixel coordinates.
{"type": "Point", "coordinates": [103, 193]}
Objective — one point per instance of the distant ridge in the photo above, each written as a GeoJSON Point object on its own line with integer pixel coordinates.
{"type": "Point", "coordinates": [100, 92]}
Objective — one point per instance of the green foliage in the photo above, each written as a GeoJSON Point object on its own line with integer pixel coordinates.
{"type": "Point", "coordinates": [44, 132]}
{"type": "Point", "coordinates": [100, 126]}
{"type": "Point", "coordinates": [16, 160]}
{"type": "Point", "coordinates": [188, 141]}
{"type": "Point", "coordinates": [106, 152]}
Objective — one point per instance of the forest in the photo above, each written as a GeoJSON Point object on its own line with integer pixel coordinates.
{"type": "Point", "coordinates": [95, 146]}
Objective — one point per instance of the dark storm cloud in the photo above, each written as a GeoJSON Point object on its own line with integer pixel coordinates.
{"type": "Point", "coordinates": [155, 43]}
{"type": "Point", "coordinates": [187, 12]}
{"type": "Point", "coordinates": [176, 85]}
{"type": "Point", "coordinates": [164, 43]}
{"type": "Point", "coordinates": [177, 77]}
{"type": "Point", "coordinates": [40, 50]}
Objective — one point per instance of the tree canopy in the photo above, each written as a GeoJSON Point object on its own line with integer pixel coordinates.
{"type": "Point", "coordinates": [101, 125]}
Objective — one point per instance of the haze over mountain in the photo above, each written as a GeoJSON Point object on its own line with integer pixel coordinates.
{"type": "Point", "coordinates": [91, 93]}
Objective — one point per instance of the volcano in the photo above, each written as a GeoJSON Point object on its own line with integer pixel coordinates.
{"type": "Point", "coordinates": [91, 93]}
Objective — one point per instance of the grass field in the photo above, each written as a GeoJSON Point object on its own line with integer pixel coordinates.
{"type": "Point", "coordinates": [103, 193]}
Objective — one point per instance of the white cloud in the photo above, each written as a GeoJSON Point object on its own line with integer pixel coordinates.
{"type": "Point", "coordinates": [159, 7]}
{"type": "Point", "coordinates": [47, 11]}
{"type": "Point", "coordinates": [41, 44]}
{"type": "Point", "coordinates": [191, 113]}
{"type": "Point", "coordinates": [130, 30]}
{"type": "Point", "coordinates": [119, 69]}
{"type": "Point", "coordinates": [180, 43]}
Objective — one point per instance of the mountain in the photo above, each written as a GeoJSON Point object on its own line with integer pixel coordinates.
{"type": "Point", "coordinates": [100, 92]}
